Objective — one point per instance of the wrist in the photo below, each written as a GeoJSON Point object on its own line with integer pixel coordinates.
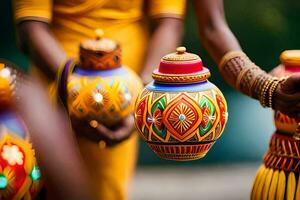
{"type": "Point", "coordinates": [248, 78]}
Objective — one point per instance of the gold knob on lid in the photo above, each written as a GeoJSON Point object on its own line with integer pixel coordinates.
{"type": "Point", "coordinates": [99, 33]}
{"type": "Point", "coordinates": [180, 50]}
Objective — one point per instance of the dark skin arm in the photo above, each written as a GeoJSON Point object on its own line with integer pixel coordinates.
{"type": "Point", "coordinates": [36, 40]}
{"type": "Point", "coordinates": [215, 34]}
{"type": "Point", "coordinates": [218, 39]}
{"type": "Point", "coordinates": [165, 38]}
{"type": "Point", "coordinates": [54, 143]}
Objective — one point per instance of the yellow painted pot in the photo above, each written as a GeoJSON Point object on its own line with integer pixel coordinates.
{"type": "Point", "coordinates": [101, 89]}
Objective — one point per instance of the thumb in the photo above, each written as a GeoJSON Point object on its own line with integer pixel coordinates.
{"type": "Point", "coordinates": [291, 84]}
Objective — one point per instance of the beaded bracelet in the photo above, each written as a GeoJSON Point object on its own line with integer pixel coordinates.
{"type": "Point", "coordinates": [263, 95]}
{"type": "Point", "coordinates": [271, 92]}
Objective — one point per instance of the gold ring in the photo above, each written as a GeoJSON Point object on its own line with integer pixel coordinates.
{"type": "Point", "coordinates": [94, 123]}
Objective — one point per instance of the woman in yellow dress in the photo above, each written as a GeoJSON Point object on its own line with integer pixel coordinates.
{"type": "Point", "coordinates": [50, 32]}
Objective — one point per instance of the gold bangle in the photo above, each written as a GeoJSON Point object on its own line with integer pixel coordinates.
{"type": "Point", "coordinates": [264, 92]}
{"type": "Point", "coordinates": [273, 89]}
{"type": "Point", "coordinates": [271, 92]}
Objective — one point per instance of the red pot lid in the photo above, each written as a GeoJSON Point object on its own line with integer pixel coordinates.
{"type": "Point", "coordinates": [181, 67]}
{"type": "Point", "coordinates": [291, 60]}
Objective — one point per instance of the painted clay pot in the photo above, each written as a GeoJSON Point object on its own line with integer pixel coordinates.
{"type": "Point", "coordinates": [284, 144]}
{"type": "Point", "coordinates": [277, 177]}
{"type": "Point", "coordinates": [101, 89]}
{"type": "Point", "coordinates": [20, 176]}
{"type": "Point", "coordinates": [291, 61]}
{"type": "Point", "coordinates": [181, 114]}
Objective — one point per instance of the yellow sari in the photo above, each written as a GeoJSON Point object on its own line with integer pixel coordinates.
{"type": "Point", "coordinates": [124, 21]}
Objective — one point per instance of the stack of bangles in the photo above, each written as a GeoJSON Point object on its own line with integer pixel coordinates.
{"type": "Point", "coordinates": [248, 78]}
{"type": "Point", "coordinates": [64, 71]}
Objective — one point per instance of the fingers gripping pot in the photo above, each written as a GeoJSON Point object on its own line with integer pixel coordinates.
{"type": "Point", "coordinates": [181, 114]}
{"type": "Point", "coordinates": [101, 89]}
{"type": "Point", "coordinates": [20, 176]}
{"type": "Point", "coordinates": [283, 153]}
{"type": "Point", "coordinates": [278, 178]}
{"type": "Point", "coordinates": [291, 64]}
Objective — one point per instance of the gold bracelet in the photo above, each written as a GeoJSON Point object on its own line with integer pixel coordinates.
{"type": "Point", "coordinates": [265, 91]}
{"type": "Point", "coordinates": [271, 92]}
{"type": "Point", "coordinates": [262, 92]}
{"type": "Point", "coordinates": [270, 87]}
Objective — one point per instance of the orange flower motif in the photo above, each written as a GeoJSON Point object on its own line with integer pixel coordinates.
{"type": "Point", "coordinates": [12, 155]}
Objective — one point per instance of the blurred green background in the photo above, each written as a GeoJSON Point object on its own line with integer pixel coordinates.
{"type": "Point", "coordinates": [264, 29]}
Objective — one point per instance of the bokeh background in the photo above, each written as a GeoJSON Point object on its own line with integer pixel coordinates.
{"type": "Point", "coordinates": [264, 28]}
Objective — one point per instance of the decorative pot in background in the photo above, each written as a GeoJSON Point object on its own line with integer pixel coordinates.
{"type": "Point", "coordinates": [19, 173]}
{"type": "Point", "coordinates": [278, 177]}
{"type": "Point", "coordinates": [291, 62]}
{"type": "Point", "coordinates": [101, 89]}
{"type": "Point", "coordinates": [181, 114]}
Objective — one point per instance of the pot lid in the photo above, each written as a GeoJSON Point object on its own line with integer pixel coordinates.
{"type": "Point", "coordinates": [99, 43]}
{"type": "Point", "coordinates": [100, 53]}
{"type": "Point", "coordinates": [181, 67]}
{"type": "Point", "coordinates": [291, 58]}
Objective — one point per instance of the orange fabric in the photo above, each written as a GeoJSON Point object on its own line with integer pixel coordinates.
{"type": "Point", "coordinates": [166, 8]}
{"type": "Point", "coordinates": [30, 9]}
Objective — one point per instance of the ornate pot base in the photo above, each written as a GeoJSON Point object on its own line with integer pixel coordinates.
{"type": "Point", "coordinates": [278, 177]}
{"type": "Point", "coordinates": [180, 152]}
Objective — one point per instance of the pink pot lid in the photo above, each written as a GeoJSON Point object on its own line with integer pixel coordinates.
{"type": "Point", "coordinates": [181, 67]}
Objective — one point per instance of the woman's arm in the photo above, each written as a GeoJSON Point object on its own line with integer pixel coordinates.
{"type": "Point", "coordinates": [165, 38]}
{"type": "Point", "coordinates": [236, 68]}
{"type": "Point", "coordinates": [37, 41]}
{"type": "Point", "coordinates": [215, 34]}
